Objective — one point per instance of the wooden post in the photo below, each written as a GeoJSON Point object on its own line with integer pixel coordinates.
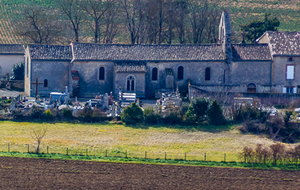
{"type": "Point", "coordinates": [67, 151]}
{"type": "Point", "coordinates": [126, 154]}
{"type": "Point", "coordinates": [205, 156]}
{"type": "Point", "coordinates": [47, 149]}
{"type": "Point", "coordinates": [185, 156]}
{"type": "Point", "coordinates": [28, 148]}
{"type": "Point", "coordinates": [86, 151]}
{"type": "Point", "coordinates": [224, 157]}
{"type": "Point", "coordinates": [105, 153]}
{"type": "Point", "coordinates": [145, 154]}
{"type": "Point", "coordinates": [8, 147]}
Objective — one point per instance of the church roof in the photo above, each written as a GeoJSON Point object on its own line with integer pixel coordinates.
{"type": "Point", "coordinates": [12, 49]}
{"type": "Point", "coordinates": [113, 52]}
{"type": "Point", "coordinates": [50, 52]}
{"type": "Point", "coordinates": [249, 52]}
{"type": "Point", "coordinates": [284, 43]}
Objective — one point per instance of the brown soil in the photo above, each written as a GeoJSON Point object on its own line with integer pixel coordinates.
{"type": "Point", "coordinates": [23, 173]}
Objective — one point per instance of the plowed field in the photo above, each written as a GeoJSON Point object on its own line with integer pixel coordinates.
{"type": "Point", "coordinates": [23, 173]}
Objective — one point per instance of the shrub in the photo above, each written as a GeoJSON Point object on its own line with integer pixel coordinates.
{"type": "Point", "coordinates": [18, 115]}
{"type": "Point", "coordinates": [150, 116]}
{"type": "Point", "coordinates": [196, 110]}
{"type": "Point", "coordinates": [172, 117]}
{"type": "Point", "coordinates": [215, 114]}
{"type": "Point", "coordinates": [247, 154]}
{"type": "Point", "coordinates": [132, 114]}
{"type": "Point", "coordinates": [98, 115]}
{"type": "Point", "coordinates": [36, 113]}
{"type": "Point", "coordinates": [48, 114]}
{"type": "Point", "coordinates": [67, 113]}
{"type": "Point", "coordinates": [277, 152]}
{"type": "Point", "coordinates": [242, 112]}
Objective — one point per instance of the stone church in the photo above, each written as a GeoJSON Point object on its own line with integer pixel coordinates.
{"type": "Point", "coordinates": [87, 69]}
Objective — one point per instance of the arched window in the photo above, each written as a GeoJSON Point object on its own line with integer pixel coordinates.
{"type": "Point", "coordinates": [101, 73]}
{"type": "Point", "coordinates": [207, 73]}
{"type": "Point", "coordinates": [45, 83]}
{"type": "Point", "coordinates": [180, 73]}
{"type": "Point", "coordinates": [251, 88]}
{"type": "Point", "coordinates": [154, 74]}
{"type": "Point", "coordinates": [130, 84]}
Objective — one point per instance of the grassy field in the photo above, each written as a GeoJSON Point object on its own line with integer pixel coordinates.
{"type": "Point", "coordinates": [158, 142]}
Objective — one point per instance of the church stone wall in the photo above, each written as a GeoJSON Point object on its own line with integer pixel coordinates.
{"type": "Point", "coordinates": [258, 73]}
{"type": "Point", "coordinates": [56, 72]}
{"type": "Point", "coordinates": [193, 72]}
{"type": "Point", "coordinates": [120, 82]}
{"type": "Point", "coordinates": [89, 83]}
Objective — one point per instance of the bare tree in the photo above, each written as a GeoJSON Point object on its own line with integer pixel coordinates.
{"type": "Point", "coordinates": [75, 16]}
{"type": "Point", "coordinates": [111, 22]}
{"type": "Point", "coordinates": [134, 14]}
{"type": "Point", "coordinates": [96, 10]}
{"type": "Point", "coordinates": [39, 25]}
{"type": "Point", "coordinates": [38, 135]}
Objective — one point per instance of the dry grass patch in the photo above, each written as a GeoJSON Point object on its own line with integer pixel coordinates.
{"type": "Point", "coordinates": [117, 139]}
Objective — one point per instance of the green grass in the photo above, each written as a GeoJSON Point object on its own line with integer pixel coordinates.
{"type": "Point", "coordinates": [174, 141]}
{"type": "Point", "coordinates": [152, 161]}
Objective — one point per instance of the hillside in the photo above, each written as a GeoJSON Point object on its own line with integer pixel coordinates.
{"type": "Point", "coordinates": [242, 11]}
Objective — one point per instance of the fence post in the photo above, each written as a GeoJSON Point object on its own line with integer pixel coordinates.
{"type": "Point", "coordinates": [8, 147]}
{"type": "Point", "coordinates": [185, 156]}
{"type": "Point", "coordinates": [165, 155]}
{"type": "Point", "coordinates": [27, 148]}
{"type": "Point", "coordinates": [205, 156]}
{"type": "Point", "coordinates": [67, 151]}
{"type": "Point", "coordinates": [47, 149]}
{"type": "Point", "coordinates": [105, 153]}
{"type": "Point", "coordinates": [145, 154]}
{"type": "Point", "coordinates": [86, 151]}
{"type": "Point", "coordinates": [224, 157]}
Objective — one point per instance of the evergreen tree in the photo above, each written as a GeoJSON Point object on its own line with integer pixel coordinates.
{"type": "Point", "coordinates": [215, 114]}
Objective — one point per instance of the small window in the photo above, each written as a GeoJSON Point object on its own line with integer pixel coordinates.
{"type": "Point", "coordinates": [207, 73]}
{"type": "Point", "coordinates": [290, 72]}
{"type": "Point", "coordinates": [180, 73]}
{"type": "Point", "coordinates": [101, 73]}
{"type": "Point", "coordinates": [45, 83]}
{"type": "Point", "coordinates": [154, 74]}
{"type": "Point", "coordinates": [290, 59]}
{"type": "Point", "coordinates": [290, 90]}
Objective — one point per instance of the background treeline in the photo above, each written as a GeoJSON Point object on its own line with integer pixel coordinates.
{"type": "Point", "coordinates": [124, 21]}
{"type": "Point", "coordinates": [157, 18]}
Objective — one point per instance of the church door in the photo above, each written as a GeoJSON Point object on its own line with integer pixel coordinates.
{"type": "Point", "coordinates": [130, 84]}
